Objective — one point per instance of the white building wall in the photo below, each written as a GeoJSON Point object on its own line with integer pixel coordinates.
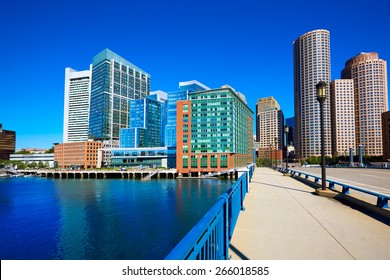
{"type": "Point", "coordinates": [76, 105]}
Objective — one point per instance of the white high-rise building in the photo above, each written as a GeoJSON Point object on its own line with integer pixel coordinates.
{"type": "Point", "coordinates": [76, 105]}
{"type": "Point", "coordinates": [311, 65]}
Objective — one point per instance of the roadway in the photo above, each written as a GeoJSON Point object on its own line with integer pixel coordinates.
{"type": "Point", "coordinates": [377, 180]}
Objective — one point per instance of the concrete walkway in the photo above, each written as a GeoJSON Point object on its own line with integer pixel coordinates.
{"type": "Point", "coordinates": [284, 220]}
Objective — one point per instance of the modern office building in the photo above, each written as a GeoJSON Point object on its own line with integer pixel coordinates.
{"type": "Point", "coordinates": [173, 97]}
{"type": "Point", "coordinates": [214, 132]}
{"type": "Point", "coordinates": [76, 105]}
{"type": "Point", "coordinates": [311, 65]}
{"type": "Point", "coordinates": [77, 154]}
{"type": "Point", "coordinates": [115, 82]}
{"type": "Point", "coordinates": [343, 117]}
{"type": "Point", "coordinates": [269, 123]}
{"type": "Point", "coordinates": [7, 143]}
{"type": "Point", "coordinates": [144, 157]}
{"type": "Point", "coordinates": [290, 122]}
{"type": "Point", "coordinates": [369, 74]}
{"type": "Point", "coordinates": [44, 159]}
{"type": "Point", "coordinates": [146, 120]}
{"type": "Point", "coordinates": [386, 135]}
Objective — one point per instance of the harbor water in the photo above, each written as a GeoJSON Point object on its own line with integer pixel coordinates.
{"type": "Point", "coordinates": [94, 219]}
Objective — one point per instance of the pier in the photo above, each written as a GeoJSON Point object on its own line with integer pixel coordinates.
{"type": "Point", "coordinates": [142, 174]}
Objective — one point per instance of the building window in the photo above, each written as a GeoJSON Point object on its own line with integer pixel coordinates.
{"type": "Point", "coordinates": [224, 161]}
{"type": "Point", "coordinates": [203, 162]}
{"type": "Point", "coordinates": [194, 162]}
{"type": "Point", "coordinates": [185, 161]}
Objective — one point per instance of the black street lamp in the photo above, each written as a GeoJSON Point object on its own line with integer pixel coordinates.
{"type": "Point", "coordinates": [286, 128]}
{"type": "Point", "coordinates": [276, 155]}
{"type": "Point", "coordinates": [321, 96]}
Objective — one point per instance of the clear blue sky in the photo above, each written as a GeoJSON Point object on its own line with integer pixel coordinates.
{"type": "Point", "coordinates": [246, 44]}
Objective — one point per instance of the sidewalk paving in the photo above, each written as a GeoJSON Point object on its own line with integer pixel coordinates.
{"type": "Point", "coordinates": [284, 220]}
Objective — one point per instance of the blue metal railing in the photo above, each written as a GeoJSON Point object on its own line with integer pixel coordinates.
{"type": "Point", "coordinates": [382, 199]}
{"type": "Point", "coordinates": [210, 238]}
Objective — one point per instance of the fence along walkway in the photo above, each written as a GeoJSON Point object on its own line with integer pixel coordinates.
{"type": "Point", "coordinates": [284, 220]}
{"type": "Point", "coordinates": [209, 239]}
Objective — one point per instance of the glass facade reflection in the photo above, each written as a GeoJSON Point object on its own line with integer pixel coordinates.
{"type": "Point", "coordinates": [115, 82]}
{"type": "Point", "coordinates": [146, 157]}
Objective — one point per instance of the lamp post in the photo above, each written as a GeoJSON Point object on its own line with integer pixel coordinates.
{"type": "Point", "coordinates": [286, 128]}
{"type": "Point", "coordinates": [321, 96]}
{"type": "Point", "coordinates": [276, 155]}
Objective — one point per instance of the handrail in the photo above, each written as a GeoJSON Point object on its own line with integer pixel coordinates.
{"type": "Point", "coordinates": [210, 238]}
{"type": "Point", "coordinates": [382, 199]}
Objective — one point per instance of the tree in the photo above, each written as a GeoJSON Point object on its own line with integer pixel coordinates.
{"type": "Point", "coordinates": [50, 151]}
{"type": "Point", "coordinates": [22, 151]}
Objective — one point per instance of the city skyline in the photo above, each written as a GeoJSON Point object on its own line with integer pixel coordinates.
{"type": "Point", "coordinates": [173, 41]}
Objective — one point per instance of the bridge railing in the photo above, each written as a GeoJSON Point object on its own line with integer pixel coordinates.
{"type": "Point", "coordinates": [382, 199]}
{"type": "Point", "coordinates": [210, 238]}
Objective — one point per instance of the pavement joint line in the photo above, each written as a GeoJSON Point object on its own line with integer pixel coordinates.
{"type": "Point", "coordinates": [290, 193]}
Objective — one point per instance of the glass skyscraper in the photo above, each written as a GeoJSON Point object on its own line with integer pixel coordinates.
{"type": "Point", "coordinates": [145, 123]}
{"type": "Point", "coordinates": [115, 82]}
{"type": "Point", "coordinates": [173, 97]}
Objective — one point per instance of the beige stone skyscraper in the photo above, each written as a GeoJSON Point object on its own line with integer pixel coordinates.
{"type": "Point", "coordinates": [369, 74]}
{"type": "Point", "coordinates": [269, 123]}
{"type": "Point", "coordinates": [343, 117]}
{"type": "Point", "coordinates": [311, 65]}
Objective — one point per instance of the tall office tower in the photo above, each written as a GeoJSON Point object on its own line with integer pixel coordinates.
{"type": "Point", "coordinates": [369, 74]}
{"type": "Point", "coordinates": [145, 122]}
{"type": "Point", "coordinates": [311, 65]}
{"type": "Point", "coordinates": [269, 123]}
{"type": "Point", "coordinates": [290, 122]}
{"type": "Point", "coordinates": [214, 131]}
{"type": "Point", "coordinates": [76, 105]}
{"type": "Point", "coordinates": [386, 135]}
{"type": "Point", "coordinates": [7, 143]}
{"type": "Point", "coordinates": [343, 117]}
{"type": "Point", "coordinates": [173, 97]}
{"type": "Point", "coordinates": [115, 82]}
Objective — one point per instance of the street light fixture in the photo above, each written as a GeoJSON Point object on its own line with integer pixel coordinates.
{"type": "Point", "coordinates": [276, 155]}
{"type": "Point", "coordinates": [321, 96]}
{"type": "Point", "coordinates": [286, 128]}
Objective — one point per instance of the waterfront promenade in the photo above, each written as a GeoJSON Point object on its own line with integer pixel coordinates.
{"type": "Point", "coordinates": [284, 220]}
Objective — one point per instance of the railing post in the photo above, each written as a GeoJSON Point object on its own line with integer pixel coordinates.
{"type": "Point", "coordinates": [226, 240]}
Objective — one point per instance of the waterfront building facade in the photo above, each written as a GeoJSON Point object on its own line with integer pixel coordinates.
{"type": "Point", "coordinates": [7, 143]}
{"type": "Point", "coordinates": [45, 159]}
{"type": "Point", "coordinates": [214, 132]}
{"type": "Point", "coordinates": [146, 123]}
{"type": "Point", "coordinates": [76, 105]}
{"type": "Point", "coordinates": [115, 82]}
{"type": "Point", "coordinates": [311, 65]}
{"type": "Point", "coordinates": [369, 74]}
{"type": "Point", "coordinates": [152, 157]}
{"type": "Point", "coordinates": [343, 116]}
{"type": "Point", "coordinates": [173, 97]}
{"type": "Point", "coordinates": [386, 135]}
{"type": "Point", "coordinates": [269, 123]}
{"type": "Point", "coordinates": [77, 154]}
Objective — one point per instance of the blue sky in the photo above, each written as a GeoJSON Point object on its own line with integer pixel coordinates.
{"type": "Point", "coordinates": [246, 44]}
